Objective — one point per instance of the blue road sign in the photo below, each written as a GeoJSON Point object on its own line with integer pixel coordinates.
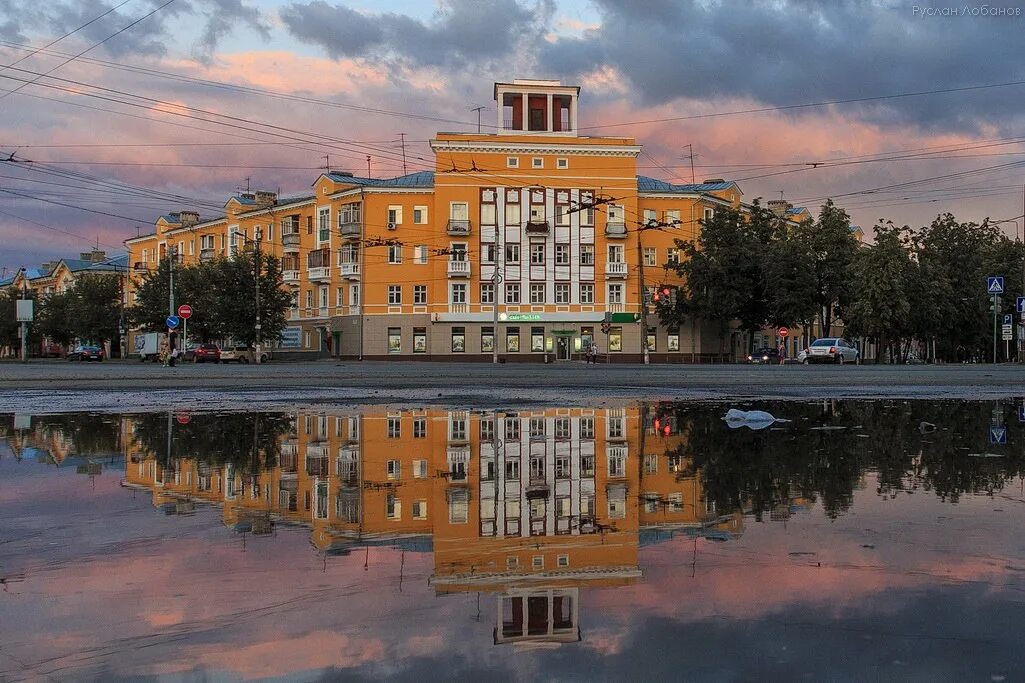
{"type": "Point", "coordinates": [1021, 413]}
{"type": "Point", "coordinates": [995, 284]}
{"type": "Point", "coordinates": [173, 321]}
{"type": "Point", "coordinates": [1019, 304]}
{"type": "Point", "coordinates": [998, 435]}
{"type": "Point", "coordinates": [1008, 319]}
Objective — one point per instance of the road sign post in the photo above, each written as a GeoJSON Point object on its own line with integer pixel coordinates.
{"type": "Point", "coordinates": [185, 312]}
{"type": "Point", "coordinates": [995, 286]}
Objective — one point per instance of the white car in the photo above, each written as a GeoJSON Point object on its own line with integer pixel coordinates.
{"type": "Point", "coordinates": [832, 350]}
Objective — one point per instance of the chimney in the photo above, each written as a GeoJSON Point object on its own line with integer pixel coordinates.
{"type": "Point", "coordinates": [188, 218]}
{"type": "Point", "coordinates": [264, 198]}
{"type": "Point", "coordinates": [98, 256]}
{"type": "Point", "coordinates": [346, 174]}
{"type": "Point", "coordinates": [778, 206]}
{"type": "Point", "coordinates": [709, 181]}
{"type": "Point", "coordinates": [85, 256]}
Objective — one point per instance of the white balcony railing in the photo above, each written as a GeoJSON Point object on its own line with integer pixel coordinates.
{"type": "Point", "coordinates": [290, 241]}
{"type": "Point", "coordinates": [348, 269]}
{"type": "Point", "coordinates": [459, 269]}
{"type": "Point", "coordinates": [290, 277]}
{"type": "Point", "coordinates": [615, 269]}
{"type": "Point", "coordinates": [319, 273]}
{"type": "Point", "coordinates": [615, 229]}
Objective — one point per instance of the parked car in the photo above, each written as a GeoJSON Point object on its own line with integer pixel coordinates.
{"type": "Point", "coordinates": [50, 350]}
{"type": "Point", "coordinates": [203, 353]}
{"type": "Point", "coordinates": [85, 353]}
{"type": "Point", "coordinates": [832, 350]}
{"type": "Point", "coordinates": [765, 355]}
{"type": "Point", "coordinates": [242, 354]}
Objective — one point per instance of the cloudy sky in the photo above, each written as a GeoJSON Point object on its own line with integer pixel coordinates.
{"type": "Point", "coordinates": [180, 108]}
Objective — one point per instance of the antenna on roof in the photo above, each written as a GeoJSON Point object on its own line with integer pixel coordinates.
{"type": "Point", "coordinates": [327, 163]}
{"type": "Point", "coordinates": [781, 195]}
{"type": "Point", "coordinates": [690, 156]}
{"type": "Point", "coordinates": [247, 184]}
{"type": "Point", "coordinates": [138, 231]}
{"type": "Point", "coordinates": [478, 110]}
{"type": "Point", "coordinates": [368, 166]}
{"type": "Point", "coordinates": [402, 141]}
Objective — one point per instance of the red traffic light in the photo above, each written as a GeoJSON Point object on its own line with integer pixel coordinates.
{"type": "Point", "coordinates": [665, 291]}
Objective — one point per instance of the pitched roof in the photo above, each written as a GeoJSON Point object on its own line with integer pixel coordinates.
{"type": "Point", "coordinates": [418, 179]}
{"type": "Point", "coordinates": [169, 218]}
{"type": "Point", "coordinates": [646, 184]}
{"type": "Point", "coordinates": [794, 210]}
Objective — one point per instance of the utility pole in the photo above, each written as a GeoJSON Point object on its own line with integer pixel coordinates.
{"type": "Point", "coordinates": [690, 156]}
{"type": "Point", "coordinates": [368, 166]}
{"type": "Point", "coordinates": [478, 110]}
{"type": "Point", "coordinates": [170, 280]}
{"type": "Point", "coordinates": [644, 300]}
{"type": "Point", "coordinates": [402, 141]}
{"type": "Point", "coordinates": [496, 279]}
{"type": "Point", "coordinates": [24, 325]}
{"type": "Point", "coordinates": [259, 236]}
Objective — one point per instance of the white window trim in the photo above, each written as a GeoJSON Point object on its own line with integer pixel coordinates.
{"type": "Point", "coordinates": [423, 213]}
{"type": "Point", "coordinates": [537, 162]}
{"type": "Point", "coordinates": [562, 163]}
{"type": "Point", "coordinates": [512, 162]}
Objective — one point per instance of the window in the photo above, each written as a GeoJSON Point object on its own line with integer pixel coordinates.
{"type": "Point", "coordinates": [324, 225]}
{"type": "Point", "coordinates": [487, 339]}
{"type": "Point", "coordinates": [309, 226]}
{"type": "Point", "coordinates": [587, 254]}
{"type": "Point", "coordinates": [537, 428]}
{"type": "Point", "coordinates": [587, 428]}
{"type": "Point", "coordinates": [562, 163]}
{"type": "Point", "coordinates": [395, 215]}
{"type": "Point", "coordinates": [536, 162]}
{"type": "Point", "coordinates": [673, 342]}
{"type": "Point", "coordinates": [394, 469]}
{"type": "Point", "coordinates": [587, 465]}
{"type": "Point", "coordinates": [676, 502]}
{"type": "Point", "coordinates": [617, 463]}
{"type": "Point", "coordinates": [488, 214]}
{"type": "Point", "coordinates": [458, 506]}
{"type": "Point", "coordinates": [394, 253]}
{"type": "Point", "coordinates": [537, 254]}
{"type": "Point", "coordinates": [615, 293]}
{"type": "Point", "coordinates": [673, 217]}
{"type": "Point", "coordinates": [354, 295]}
{"type": "Point", "coordinates": [651, 464]}
{"type": "Point", "coordinates": [537, 293]}
{"type": "Point", "coordinates": [394, 340]}
{"type": "Point", "coordinates": [458, 339]}
{"type": "Point", "coordinates": [562, 428]}
{"type": "Point", "coordinates": [419, 254]}
{"type": "Point", "coordinates": [562, 292]}
{"type": "Point", "coordinates": [615, 213]}
{"type": "Point", "coordinates": [420, 215]}
{"type": "Point", "coordinates": [512, 212]}
{"type": "Point", "coordinates": [420, 428]}
{"type": "Point", "coordinates": [586, 204]}
{"type": "Point", "coordinates": [419, 509]}
{"type": "Point", "coordinates": [672, 256]}
{"type": "Point", "coordinates": [512, 340]}
{"type": "Point", "coordinates": [512, 162]}
{"type": "Point", "coordinates": [323, 297]}
{"type": "Point", "coordinates": [392, 507]}
{"type": "Point", "coordinates": [419, 340]}
{"type": "Point", "coordinates": [394, 427]}
{"type": "Point", "coordinates": [394, 294]}
{"type": "Point", "coordinates": [616, 339]}
{"type": "Point", "coordinates": [419, 466]}
{"type": "Point", "coordinates": [350, 213]}
{"type": "Point", "coordinates": [537, 339]}
{"type": "Point", "coordinates": [458, 293]}
{"type": "Point", "coordinates": [459, 211]}
{"type": "Point", "coordinates": [206, 242]}
{"type": "Point", "coordinates": [488, 253]}
{"type": "Point", "coordinates": [458, 429]}
{"type": "Point", "coordinates": [420, 294]}
{"type": "Point", "coordinates": [309, 298]}
{"type": "Point", "coordinates": [512, 293]}
{"type": "Point", "coordinates": [650, 256]}
{"type": "Point", "coordinates": [562, 254]}
{"type": "Point", "coordinates": [487, 430]}
{"type": "Point", "coordinates": [709, 214]}
{"type": "Point", "coordinates": [586, 293]}
{"type": "Point", "coordinates": [487, 293]}
{"type": "Point", "coordinates": [537, 562]}
{"type": "Point", "coordinates": [512, 429]}
{"type": "Point", "coordinates": [650, 339]}
{"type": "Point", "coordinates": [586, 337]}
{"type": "Point", "coordinates": [615, 253]}
{"type": "Point", "coordinates": [512, 254]}
{"type": "Point", "coordinates": [339, 296]}
{"type": "Point", "coordinates": [562, 561]}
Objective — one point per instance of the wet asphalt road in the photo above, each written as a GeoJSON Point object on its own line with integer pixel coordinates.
{"type": "Point", "coordinates": [381, 380]}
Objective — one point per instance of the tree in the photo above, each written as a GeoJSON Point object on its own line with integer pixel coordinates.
{"type": "Point", "coordinates": [95, 307]}
{"type": "Point", "coordinates": [790, 280]}
{"type": "Point", "coordinates": [880, 307]}
{"type": "Point", "coordinates": [55, 318]}
{"type": "Point", "coordinates": [10, 328]}
{"type": "Point", "coordinates": [234, 286]}
{"type": "Point", "coordinates": [832, 248]}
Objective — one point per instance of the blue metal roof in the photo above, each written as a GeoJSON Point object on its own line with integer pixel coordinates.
{"type": "Point", "coordinates": [168, 218]}
{"type": "Point", "coordinates": [646, 184]}
{"type": "Point", "coordinates": [418, 179]}
{"type": "Point", "coordinates": [796, 210]}
{"type": "Point", "coordinates": [6, 281]}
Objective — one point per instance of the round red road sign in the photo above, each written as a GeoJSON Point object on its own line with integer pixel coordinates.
{"type": "Point", "coordinates": [185, 311]}
{"type": "Point", "coordinates": [183, 418]}
{"type": "Point", "coordinates": [783, 332]}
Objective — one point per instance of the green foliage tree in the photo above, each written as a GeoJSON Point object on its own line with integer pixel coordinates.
{"type": "Point", "coordinates": [10, 328]}
{"type": "Point", "coordinates": [831, 248]}
{"type": "Point", "coordinates": [790, 281]}
{"type": "Point", "coordinates": [55, 318]}
{"type": "Point", "coordinates": [881, 306]}
{"type": "Point", "coordinates": [95, 307]}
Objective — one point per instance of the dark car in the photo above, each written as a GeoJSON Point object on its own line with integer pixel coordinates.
{"type": "Point", "coordinates": [203, 353]}
{"type": "Point", "coordinates": [765, 355]}
{"type": "Point", "coordinates": [85, 353]}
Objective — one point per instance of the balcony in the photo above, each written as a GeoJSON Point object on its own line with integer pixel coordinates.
{"type": "Point", "coordinates": [459, 269]}
{"type": "Point", "coordinates": [615, 229]}
{"type": "Point", "coordinates": [350, 229]}
{"type": "Point", "coordinates": [615, 269]}
{"type": "Point", "coordinates": [318, 265]}
{"type": "Point", "coordinates": [458, 228]}
{"type": "Point", "coordinates": [290, 277]}
{"type": "Point", "coordinates": [290, 242]}
{"type": "Point", "coordinates": [317, 450]}
{"type": "Point", "coordinates": [349, 270]}
{"type": "Point", "coordinates": [538, 228]}
{"type": "Point", "coordinates": [207, 255]}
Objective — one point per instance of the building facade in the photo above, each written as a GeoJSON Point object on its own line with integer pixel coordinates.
{"type": "Point", "coordinates": [532, 243]}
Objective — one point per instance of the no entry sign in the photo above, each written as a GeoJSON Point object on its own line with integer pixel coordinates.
{"type": "Point", "coordinates": [185, 311]}
{"type": "Point", "coordinates": [783, 332]}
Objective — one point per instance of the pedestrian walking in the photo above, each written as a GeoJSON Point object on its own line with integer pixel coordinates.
{"type": "Point", "coordinates": [782, 352]}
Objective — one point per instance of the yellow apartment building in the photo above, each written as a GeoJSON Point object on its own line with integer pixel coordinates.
{"type": "Point", "coordinates": [519, 243]}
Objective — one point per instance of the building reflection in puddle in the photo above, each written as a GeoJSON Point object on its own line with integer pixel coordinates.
{"type": "Point", "coordinates": [528, 506]}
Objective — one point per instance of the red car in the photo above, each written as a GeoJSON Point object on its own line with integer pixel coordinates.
{"type": "Point", "coordinates": [206, 352]}
{"type": "Point", "coordinates": [87, 353]}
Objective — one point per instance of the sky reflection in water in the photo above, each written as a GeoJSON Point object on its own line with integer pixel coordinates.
{"type": "Point", "coordinates": [862, 539]}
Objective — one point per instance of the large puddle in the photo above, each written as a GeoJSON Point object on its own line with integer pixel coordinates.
{"type": "Point", "coordinates": [875, 540]}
